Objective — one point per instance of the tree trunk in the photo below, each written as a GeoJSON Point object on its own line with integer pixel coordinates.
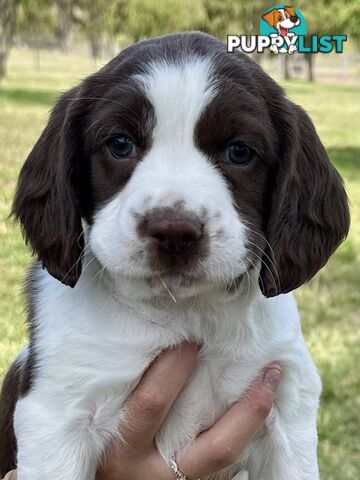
{"type": "Point", "coordinates": [96, 29]}
{"type": "Point", "coordinates": [3, 57]}
{"type": "Point", "coordinates": [64, 25]}
{"type": "Point", "coordinates": [286, 69]}
{"type": "Point", "coordinates": [310, 63]}
{"type": "Point", "coordinates": [7, 30]}
{"type": "Point", "coordinates": [96, 48]}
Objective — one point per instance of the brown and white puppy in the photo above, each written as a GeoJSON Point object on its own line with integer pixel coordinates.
{"type": "Point", "coordinates": [282, 19]}
{"type": "Point", "coordinates": [176, 191]}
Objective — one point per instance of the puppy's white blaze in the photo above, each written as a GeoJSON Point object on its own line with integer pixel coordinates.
{"type": "Point", "coordinates": [179, 93]}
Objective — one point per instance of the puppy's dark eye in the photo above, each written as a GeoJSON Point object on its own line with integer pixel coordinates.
{"type": "Point", "coordinates": [238, 153]}
{"type": "Point", "coordinates": [121, 146]}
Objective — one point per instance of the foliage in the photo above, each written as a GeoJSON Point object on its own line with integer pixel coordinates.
{"type": "Point", "coordinates": [109, 22]}
{"type": "Point", "coordinates": [221, 18]}
{"type": "Point", "coordinates": [36, 19]}
{"type": "Point", "coordinates": [136, 19]}
{"type": "Point", "coordinates": [64, 24]}
{"type": "Point", "coordinates": [331, 16]}
{"type": "Point", "coordinates": [93, 18]}
{"type": "Point", "coordinates": [146, 18]}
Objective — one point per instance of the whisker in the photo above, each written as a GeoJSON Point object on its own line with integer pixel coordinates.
{"type": "Point", "coordinates": [270, 260]}
{"type": "Point", "coordinates": [251, 279]}
{"type": "Point", "coordinates": [168, 290]}
{"type": "Point", "coordinates": [95, 275]}
{"type": "Point", "coordinates": [248, 285]}
{"type": "Point", "coordinates": [259, 235]}
{"type": "Point", "coordinates": [269, 270]}
{"type": "Point", "coordinates": [81, 256]}
{"type": "Point", "coordinates": [84, 230]}
{"type": "Point", "coordinates": [92, 125]}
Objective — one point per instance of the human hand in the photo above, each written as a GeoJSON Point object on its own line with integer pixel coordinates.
{"type": "Point", "coordinates": [135, 456]}
{"type": "Point", "coordinates": [11, 475]}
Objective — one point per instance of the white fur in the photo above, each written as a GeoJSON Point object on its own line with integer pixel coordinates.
{"type": "Point", "coordinates": [93, 342]}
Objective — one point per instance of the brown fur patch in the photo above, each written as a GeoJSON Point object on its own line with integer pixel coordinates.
{"type": "Point", "coordinates": [8, 398]}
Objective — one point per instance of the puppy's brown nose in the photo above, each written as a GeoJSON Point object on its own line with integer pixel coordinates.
{"type": "Point", "coordinates": [174, 234]}
{"type": "Point", "coordinates": [294, 19]}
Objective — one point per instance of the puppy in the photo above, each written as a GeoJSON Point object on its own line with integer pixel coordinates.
{"type": "Point", "coordinates": [174, 195]}
{"type": "Point", "coordinates": [282, 19]}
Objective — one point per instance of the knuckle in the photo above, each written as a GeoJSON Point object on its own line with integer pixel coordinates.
{"type": "Point", "coordinates": [149, 403]}
{"type": "Point", "coordinates": [261, 402]}
{"type": "Point", "coordinates": [221, 455]}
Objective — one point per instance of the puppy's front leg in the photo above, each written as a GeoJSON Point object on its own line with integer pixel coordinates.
{"type": "Point", "coordinates": [62, 445]}
{"type": "Point", "coordinates": [286, 450]}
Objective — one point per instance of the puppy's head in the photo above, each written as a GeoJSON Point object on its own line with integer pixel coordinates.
{"type": "Point", "coordinates": [190, 168]}
{"type": "Point", "coordinates": [282, 18]}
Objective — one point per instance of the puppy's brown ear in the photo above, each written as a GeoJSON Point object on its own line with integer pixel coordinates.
{"type": "Point", "coordinates": [47, 201]}
{"type": "Point", "coordinates": [290, 11]}
{"type": "Point", "coordinates": [270, 18]}
{"type": "Point", "coordinates": [309, 215]}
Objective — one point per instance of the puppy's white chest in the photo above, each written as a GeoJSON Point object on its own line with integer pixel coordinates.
{"type": "Point", "coordinates": [97, 350]}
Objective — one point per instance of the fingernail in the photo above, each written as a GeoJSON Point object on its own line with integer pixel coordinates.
{"type": "Point", "coordinates": [194, 346]}
{"type": "Point", "coordinates": [272, 377]}
{"type": "Point", "coordinates": [190, 347]}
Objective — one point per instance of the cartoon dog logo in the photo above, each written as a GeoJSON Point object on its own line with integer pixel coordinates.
{"type": "Point", "coordinates": [282, 19]}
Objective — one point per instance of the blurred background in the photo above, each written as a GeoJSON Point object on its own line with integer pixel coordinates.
{"type": "Point", "coordinates": [47, 46]}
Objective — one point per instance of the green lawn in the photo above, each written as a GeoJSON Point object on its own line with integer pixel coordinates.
{"type": "Point", "coordinates": [330, 304]}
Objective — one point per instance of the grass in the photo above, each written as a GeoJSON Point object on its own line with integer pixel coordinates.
{"type": "Point", "coordinates": [330, 303]}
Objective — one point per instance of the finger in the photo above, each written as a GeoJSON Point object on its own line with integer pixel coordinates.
{"type": "Point", "coordinates": [11, 475]}
{"type": "Point", "coordinates": [222, 444]}
{"type": "Point", "coordinates": [153, 397]}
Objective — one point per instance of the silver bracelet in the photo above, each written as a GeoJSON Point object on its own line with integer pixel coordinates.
{"type": "Point", "coordinates": [179, 475]}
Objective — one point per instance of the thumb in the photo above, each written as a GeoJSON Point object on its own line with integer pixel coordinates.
{"type": "Point", "coordinates": [10, 476]}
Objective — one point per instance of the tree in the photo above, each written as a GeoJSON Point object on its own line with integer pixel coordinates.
{"type": "Point", "coordinates": [8, 10]}
{"type": "Point", "coordinates": [251, 13]}
{"type": "Point", "coordinates": [222, 18]}
{"type": "Point", "coordinates": [64, 8]}
{"type": "Point", "coordinates": [36, 20]}
{"type": "Point", "coordinates": [93, 18]}
{"type": "Point", "coordinates": [234, 17]}
{"type": "Point", "coordinates": [329, 17]}
{"type": "Point", "coordinates": [147, 18]}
